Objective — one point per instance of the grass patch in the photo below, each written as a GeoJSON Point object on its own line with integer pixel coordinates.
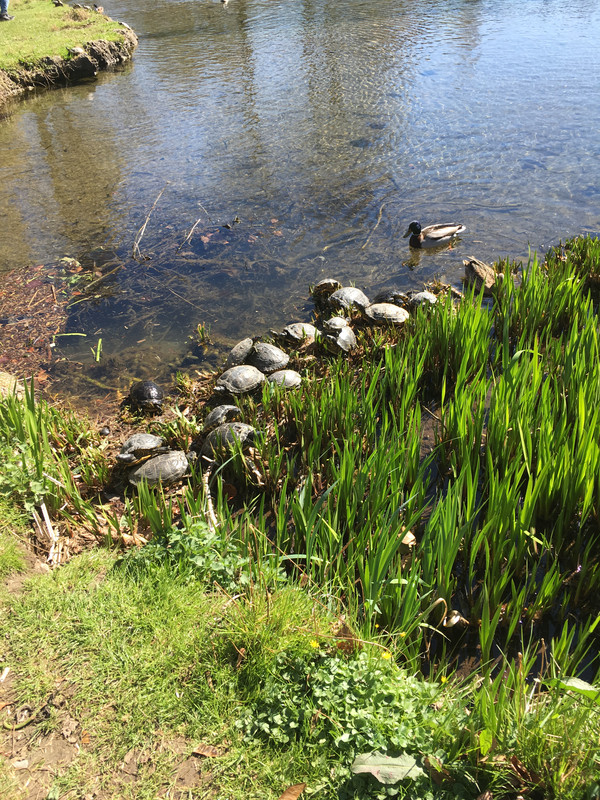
{"type": "Point", "coordinates": [41, 29]}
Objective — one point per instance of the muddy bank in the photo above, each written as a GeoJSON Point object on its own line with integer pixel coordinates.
{"type": "Point", "coordinates": [85, 62]}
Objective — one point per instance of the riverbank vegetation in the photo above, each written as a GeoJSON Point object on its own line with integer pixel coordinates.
{"type": "Point", "coordinates": [395, 593]}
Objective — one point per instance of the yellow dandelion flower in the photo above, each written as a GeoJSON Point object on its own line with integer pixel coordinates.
{"type": "Point", "coordinates": [387, 655]}
{"type": "Point", "coordinates": [314, 644]}
{"type": "Point", "coordinates": [402, 634]}
{"type": "Point", "coordinates": [443, 679]}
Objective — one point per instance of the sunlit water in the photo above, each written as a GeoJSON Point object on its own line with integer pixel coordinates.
{"type": "Point", "coordinates": [324, 128]}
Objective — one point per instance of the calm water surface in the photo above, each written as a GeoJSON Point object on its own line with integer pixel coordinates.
{"type": "Point", "coordinates": [324, 128]}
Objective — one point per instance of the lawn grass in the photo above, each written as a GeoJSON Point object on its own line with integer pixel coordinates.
{"type": "Point", "coordinates": [41, 29]}
{"type": "Point", "coordinates": [349, 577]}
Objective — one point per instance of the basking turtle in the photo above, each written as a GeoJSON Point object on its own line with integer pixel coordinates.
{"type": "Point", "coordinates": [286, 378]}
{"type": "Point", "coordinates": [146, 396]}
{"type": "Point", "coordinates": [242, 379]}
{"type": "Point", "coordinates": [219, 416]}
{"type": "Point", "coordinates": [139, 446]}
{"type": "Point", "coordinates": [383, 313]}
{"type": "Point", "coordinates": [221, 442]}
{"type": "Point", "coordinates": [423, 299]}
{"type": "Point", "coordinates": [335, 324]}
{"type": "Point", "coordinates": [267, 357]}
{"type": "Point", "coordinates": [299, 332]}
{"type": "Point", "coordinates": [164, 468]}
{"type": "Point", "coordinates": [239, 353]}
{"type": "Point", "coordinates": [324, 288]}
{"type": "Point", "coordinates": [349, 296]}
{"type": "Point", "coordinates": [481, 275]}
{"type": "Point", "coordinates": [394, 296]}
{"type": "Point", "coordinates": [343, 339]}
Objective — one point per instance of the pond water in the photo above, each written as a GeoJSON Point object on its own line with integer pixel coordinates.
{"type": "Point", "coordinates": [266, 144]}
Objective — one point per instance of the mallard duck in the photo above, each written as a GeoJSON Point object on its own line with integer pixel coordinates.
{"type": "Point", "coordinates": [432, 235]}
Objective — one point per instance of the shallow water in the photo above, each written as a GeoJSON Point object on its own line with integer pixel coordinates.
{"type": "Point", "coordinates": [324, 128]}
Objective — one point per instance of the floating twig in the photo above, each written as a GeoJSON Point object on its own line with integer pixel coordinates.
{"type": "Point", "coordinates": [135, 253]}
{"type": "Point", "coordinates": [375, 227]}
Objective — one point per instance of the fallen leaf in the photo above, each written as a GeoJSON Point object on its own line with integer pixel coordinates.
{"type": "Point", "coordinates": [206, 750]}
{"type": "Point", "coordinates": [437, 772]}
{"type": "Point", "coordinates": [85, 737]}
{"type": "Point", "coordinates": [277, 233]}
{"type": "Point", "coordinates": [292, 792]}
{"type": "Point", "coordinates": [274, 221]}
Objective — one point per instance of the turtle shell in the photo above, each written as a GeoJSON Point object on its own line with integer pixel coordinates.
{"type": "Point", "coordinates": [239, 353]}
{"type": "Point", "coordinates": [240, 380]}
{"type": "Point", "coordinates": [349, 296]}
{"type": "Point", "coordinates": [220, 415]}
{"type": "Point", "coordinates": [335, 324]}
{"type": "Point", "coordinates": [286, 378]}
{"type": "Point", "coordinates": [394, 296]}
{"type": "Point", "coordinates": [423, 299]}
{"type": "Point", "coordinates": [138, 446]}
{"type": "Point", "coordinates": [324, 288]}
{"type": "Point", "coordinates": [344, 340]}
{"type": "Point", "coordinates": [221, 441]}
{"type": "Point", "coordinates": [267, 357]}
{"type": "Point", "coordinates": [300, 332]}
{"type": "Point", "coordinates": [146, 395]}
{"type": "Point", "coordinates": [164, 468]}
{"type": "Point", "coordinates": [386, 313]}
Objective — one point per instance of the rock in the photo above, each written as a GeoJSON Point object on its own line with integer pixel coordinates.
{"type": "Point", "coordinates": [481, 275]}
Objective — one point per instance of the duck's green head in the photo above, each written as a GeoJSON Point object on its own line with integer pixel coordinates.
{"type": "Point", "coordinates": [414, 228]}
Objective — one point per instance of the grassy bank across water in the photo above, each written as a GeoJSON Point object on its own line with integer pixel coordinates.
{"type": "Point", "coordinates": [41, 37]}
{"type": "Point", "coordinates": [360, 596]}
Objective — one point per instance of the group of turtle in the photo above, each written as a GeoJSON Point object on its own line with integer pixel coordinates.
{"type": "Point", "coordinates": [250, 364]}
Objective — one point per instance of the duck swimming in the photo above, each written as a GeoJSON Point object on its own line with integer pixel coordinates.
{"type": "Point", "coordinates": [432, 235]}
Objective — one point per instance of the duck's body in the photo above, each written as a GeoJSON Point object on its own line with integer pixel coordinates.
{"type": "Point", "coordinates": [432, 235]}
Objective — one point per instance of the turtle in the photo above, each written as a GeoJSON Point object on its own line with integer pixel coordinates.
{"type": "Point", "coordinates": [394, 296]}
{"type": "Point", "coordinates": [239, 352]}
{"type": "Point", "coordinates": [344, 339]}
{"type": "Point", "coordinates": [242, 379]}
{"type": "Point", "coordinates": [139, 446]}
{"type": "Point", "coordinates": [146, 396]}
{"type": "Point", "coordinates": [302, 332]}
{"type": "Point", "coordinates": [482, 275]}
{"type": "Point", "coordinates": [349, 296]}
{"type": "Point", "coordinates": [164, 468]}
{"type": "Point", "coordinates": [324, 288]}
{"type": "Point", "coordinates": [423, 298]}
{"type": "Point", "coordinates": [220, 415]}
{"type": "Point", "coordinates": [286, 378]}
{"type": "Point", "coordinates": [221, 441]}
{"type": "Point", "coordinates": [267, 357]}
{"type": "Point", "coordinates": [386, 313]}
{"type": "Point", "coordinates": [335, 324]}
